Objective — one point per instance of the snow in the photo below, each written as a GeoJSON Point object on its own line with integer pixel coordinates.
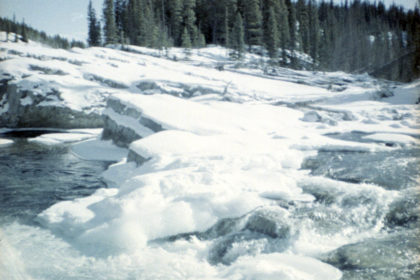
{"type": "Point", "coordinates": [231, 143]}
{"type": "Point", "coordinates": [70, 136]}
{"type": "Point", "coordinates": [129, 122]}
{"type": "Point", "coordinates": [393, 138]}
{"type": "Point", "coordinates": [280, 266]}
{"type": "Point", "coordinates": [94, 149]}
{"type": "Point", "coordinates": [5, 142]}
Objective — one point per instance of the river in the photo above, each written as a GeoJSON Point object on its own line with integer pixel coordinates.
{"type": "Point", "coordinates": [35, 176]}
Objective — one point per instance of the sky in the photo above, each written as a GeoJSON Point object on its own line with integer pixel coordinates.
{"type": "Point", "coordinates": [68, 18]}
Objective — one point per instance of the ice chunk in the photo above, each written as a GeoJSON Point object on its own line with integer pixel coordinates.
{"type": "Point", "coordinates": [280, 266]}
{"type": "Point", "coordinates": [393, 138]}
{"type": "Point", "coordinates": [98, 150]}
{"type": "Point", "coordinates": [60, 138]}
{"type": "Point", "coordinates": [5, 142]}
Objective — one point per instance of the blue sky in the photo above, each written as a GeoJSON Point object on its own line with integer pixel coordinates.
{"type": "Point", "coordinates": [68, 17]}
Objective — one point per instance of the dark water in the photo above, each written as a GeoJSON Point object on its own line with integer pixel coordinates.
{"type": "Point", "coordinates": [35, 176]}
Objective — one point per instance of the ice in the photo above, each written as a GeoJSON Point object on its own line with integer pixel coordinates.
{"type": "Point", "coordinates": [393, 138]}
{"type": "Point", "coordinates": [5, 142]}
{"type": "Point", "coordinates": [68, 137]}
{"type": "Point", "coordinates": [280, 266]}
{"type": "Point", "coordinates": [95, 149]}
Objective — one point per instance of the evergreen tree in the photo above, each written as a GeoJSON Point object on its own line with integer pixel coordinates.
{"type": "Point", "coordinates": [329, 27]}
{"type": "Point", "coordinates": [226, 28]}
{"type": "Point", "coordinates": [190, 19]}
{"type": "Point", "coordinates": [272, 34]}
{"type": "Point", "coordinates": [175, 20]}
{"type": "Point", "coordinates": [23, 33]}
{"type": "Point", "coordinates": [314, 32]}
{"type": "Point", "coordinates": [292, 31]}
{"type": "Point", "coordinates": [8, 29]}
{"type": "Point", "coordinates": [253, 22]}
{"type": "Point", "coordinates": [186, 41]}
{"type": "Point", "coordinates": [237, 38]}
{"type": "Point", "coordinates": [284, 29]}
{"type": "Point", "coordinates": [148, 29]}
{"type": "Point", "coordinates": [416, 42]}
{"type": "Point", "coordinates": [94, 28]}
{"type": "Point", "coordinates": [303, 18]}
{"type": "Point", "coordinates": [110, 28]}
{"type": "Point", "coordinates": [119, 19]}
{"type": "Point", "coordinates": [15, 29]}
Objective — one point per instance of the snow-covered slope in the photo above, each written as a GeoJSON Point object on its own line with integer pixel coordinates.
{"type": "Point", "coordinates": [38, 82]}
{"type": "Point", "coordinates": [213, 185]}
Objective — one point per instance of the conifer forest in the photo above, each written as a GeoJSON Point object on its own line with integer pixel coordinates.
{"type": "Point", "coordinates": [354, 37]}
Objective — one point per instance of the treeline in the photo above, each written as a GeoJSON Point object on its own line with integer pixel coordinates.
{"type": "Point", "coordinates": [23, 32]}
{"type": "Point", "coordinates": [353, 37]}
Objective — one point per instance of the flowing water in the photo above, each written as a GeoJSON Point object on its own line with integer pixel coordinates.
{"type": "Point", "coordinates": [370, 199]}
{"type": "Point", "coordinates": [35, 176]}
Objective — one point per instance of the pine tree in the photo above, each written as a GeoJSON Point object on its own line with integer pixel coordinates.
{"type": "Point", "coordinates": [148, 29]}
{"type": "Point", "coordinates": [292, 31]}
{"type": "Point", "coordinates": [303, 19]}
{"type": "Point", "coordinates": [272, 34]}
{"type": "Point", "coordinates": [8, 29]}
{"type": "Point", "coordinates": [15, 29]}
{"type": "Point", "coordinates": [186, 41]}
{"type": "Point", "coordinates": [24, 33]}
{"type": "Point", "coordinates": [226, 28]}
{"type": "Point", "coordinates": [329, 27]}
{"type": "Point", "coordinates": [94, 28]}
{"type": "Point", "coordinates": [237, 38]}
{"type": "Point", "coordinates": [110, 28]}
{"type": "Point", "coordinates": [253, 22]}
{"type": "Point", "coordinates": [190, 19]}
{"type": "Point", "coordinates": [283, 27]}
{"type": "Point", "coordinates": [314, 32]}
{"type": "Point", "coordinates": [175, 20]}
{"type": "Point", "coordinates": [199, 41]}
{"type": "Point", "coordinates": [119, 19]}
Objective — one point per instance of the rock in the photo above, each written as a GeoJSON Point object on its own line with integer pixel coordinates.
{"type": "Point", "coordinates": [405, 211]}
{"type": "Point", "coordinates": [124, 124]}
{"type": "Point", "coordinates": [260, 230]}
{"type": "Point", "coordinates": [390, 257]}
{"type": "Point", "coordinates": [134, 157]}
{"type": "Point", "coordinates": [312, 116]}
{"type": "Point", "coordinates": [24, 108]}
